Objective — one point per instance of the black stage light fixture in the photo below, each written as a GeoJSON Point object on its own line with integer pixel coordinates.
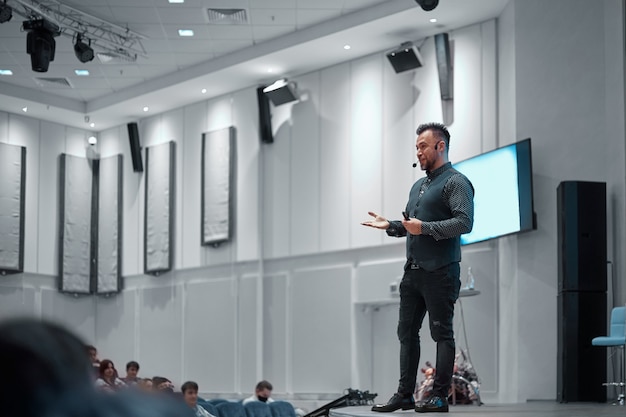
{"type": "Point", "coordinates": [427, 5]}
{"type": "Point", "coordinates": [281, 92]}
{"type": "Point", "coordinates": [405, 57]}
{"type": "Point", "coordinates": [83, 51]}
{"type": "Point", "coordinates": [6, 12]}
{"type": "Point", "coordinates": [40, 43]}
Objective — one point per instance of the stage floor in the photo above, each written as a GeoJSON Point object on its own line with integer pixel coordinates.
{"type": "Point", "coordinates": [534, 409]}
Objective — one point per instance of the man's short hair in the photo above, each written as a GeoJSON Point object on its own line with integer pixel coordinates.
{"type": "Point", "coordinates": [90, 348]}
{"type": "Point", "coordinates": [439, 130]}
{"type": "Point", "coordinates": [132, 364]}
{"type": "Point", "coordinates": [189, 385]}
{"type": "Point", "coordinates": [264, 385]}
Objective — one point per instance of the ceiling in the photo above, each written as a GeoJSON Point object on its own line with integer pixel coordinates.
{"type": "Point", "coordinates": [280, 38]}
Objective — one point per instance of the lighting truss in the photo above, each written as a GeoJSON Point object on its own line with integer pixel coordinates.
{"type": "Point", "coordinates": [114, 39]}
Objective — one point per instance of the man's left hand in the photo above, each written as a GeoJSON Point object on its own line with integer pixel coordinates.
{"type": "Point", "coordinates": [413, 226]}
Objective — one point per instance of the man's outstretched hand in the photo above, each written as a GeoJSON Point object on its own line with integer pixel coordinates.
{"type": "Point", "coordinates": [379, 222]}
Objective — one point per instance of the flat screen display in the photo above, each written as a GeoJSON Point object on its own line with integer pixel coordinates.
{"type": "Point", "coordinates": [503, 192]}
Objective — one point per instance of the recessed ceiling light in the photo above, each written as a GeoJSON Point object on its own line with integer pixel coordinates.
{"type": "Point", "coordinates": [176, 1]}
{"type": "Point", "coordinates": [146, 108]}
{"type": "Point", "coordinates": [346, 47]}
{"type": "Point", "coordinates": [92, 124]}
{"type": "Point", "coordinates": [203, 91]}
{"type": "Point", "coordinates": [6, 72]}
{"type": "Point", "coordinates": [81, 72]}
{"type": "Point", "coordinates": [433, 20]}
{"type": "Point", "coordinates": [24, 109]}
{"type": "Point", "coordinates": [185, 32]}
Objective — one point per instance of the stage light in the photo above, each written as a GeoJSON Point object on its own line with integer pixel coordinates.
{"type": "Point", "coordinates": [83, 51]}
{"type": "Point", "coordinates": [427, 5]}
{"type": "Point", "coordinates": [6, 12]}
{"type": "Point", "coordinates": [40, 43]}
{"type": "Point", "coordinates": [281, 92]}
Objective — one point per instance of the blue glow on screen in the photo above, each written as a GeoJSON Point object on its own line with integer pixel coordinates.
{"type": "Point", "coordinates": [494, 176]}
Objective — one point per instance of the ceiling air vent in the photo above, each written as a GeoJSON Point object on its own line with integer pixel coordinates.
{"type": "Point", "coordinates": [53, 82]}
{"type": "Point", "coordinates": [227, 16]}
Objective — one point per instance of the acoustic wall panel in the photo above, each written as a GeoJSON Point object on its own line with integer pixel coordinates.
{"type": "Point", "coordinates": [75, 218]}
{"type": "Point", "coordinates": [12, 197]}
{"type": "Point", "coordinates": [159, 208]}
{"type": "Point", "coordinates": [218, 169]}
{"type": "Point", "coordinates": [109, 272]}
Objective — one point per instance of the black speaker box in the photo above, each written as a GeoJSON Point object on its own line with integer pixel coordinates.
{"type": "Point", "coordinates": [444, 65]}
{"type": "Point", "coordinates": [265, 116]}
{"type": "Point", "coordinates": [405, 58]}
{"type": "Point", "coordinates": [581, 367]}
{"type": "Point", "coordinates": [135, 147]}
{"type": "Point", "coordinates": [582, 237]}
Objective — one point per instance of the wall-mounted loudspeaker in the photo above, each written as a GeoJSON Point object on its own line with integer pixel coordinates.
{"type": "Point", "coordinates": [265, 116]}
{"type": "Point", "coordinates": [135, 147]}
{"type": "Point", "coordinates": [444, 65]}
{"type": "Point", "coordinates": [405, 58]}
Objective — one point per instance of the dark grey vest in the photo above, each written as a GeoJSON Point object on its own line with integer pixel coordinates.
{"type": "Point", "coordinates": [424, 250]}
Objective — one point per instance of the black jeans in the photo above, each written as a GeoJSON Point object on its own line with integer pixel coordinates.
{"type": "Point", "coordinates": [434, 292]}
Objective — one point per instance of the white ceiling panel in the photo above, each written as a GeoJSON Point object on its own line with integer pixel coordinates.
{"type": "Point", "coordinates": [272, 17]}
{"type": "Point", "coordinates": [310, 17]}
{"type": "Point", "coordinates": [127, 16]}
{"type": "Point", "coordinates": [230, 32]}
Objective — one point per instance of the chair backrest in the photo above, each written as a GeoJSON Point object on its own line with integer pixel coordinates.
{"type": "Point", "coordinates": [618, 322]}
{"type": "Point", "coordinates": [231, 409]}
{"type": "Point", "coordinates": [257, 409]}
{"type": "Point", "coordinates": [282, 409]}
{"type": "Point", "coordinates": [209, 407]}
{"type": "Point", "coordinates": [216, 401]}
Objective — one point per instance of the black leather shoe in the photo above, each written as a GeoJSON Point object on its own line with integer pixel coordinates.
{"type": "Point", "coordinates": [397, 402]}
{"type": "Point", "coordinates": [433, 405]}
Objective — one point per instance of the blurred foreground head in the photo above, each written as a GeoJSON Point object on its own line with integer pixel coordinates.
{"type": "Point", "coordinates": [46, 372]}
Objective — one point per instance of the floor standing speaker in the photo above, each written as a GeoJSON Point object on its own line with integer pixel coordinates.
{"type": "Point", "coordinates": [582, 300]}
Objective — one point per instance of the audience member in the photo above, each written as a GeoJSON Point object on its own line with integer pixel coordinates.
{"type": "Point", "coordinates": [262, 392]}
{"type": "Point", "coordinates": [108, 380]}
{"type": "Point", "coordinates": [132, 369]}
{"type": "Point", "coordinates": [145, 384]}
{"type": "Point", "coordinates": [93, 356]}
{"type": "Point", "coordinates": [190, 395]}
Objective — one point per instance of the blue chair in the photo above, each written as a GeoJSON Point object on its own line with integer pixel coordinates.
{"type": "Point", "coordinates": [231, 409]}
{"type": "Point", "coordinates": [616, 340]}
{"type": "Point", "coordinates": [209, 407]}
{"type": "Point", "coordinates": [257, 409]}
{"type": "Point", "coordinates": [282, 409]}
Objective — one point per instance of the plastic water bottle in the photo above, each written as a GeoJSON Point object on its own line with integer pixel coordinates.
{"type": "Point", "coordinates": [470, 279]}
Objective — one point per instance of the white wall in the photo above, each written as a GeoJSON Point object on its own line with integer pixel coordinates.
{"type": "Point", "coordinates": [573, 109]}
{"type": "Point", "coordinates": [300, 295]}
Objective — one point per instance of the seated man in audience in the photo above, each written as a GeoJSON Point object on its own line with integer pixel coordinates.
{"type": "Point", "coordinates": [262, 392]}
{"type": "Point", "coordinates": [132, 369]}
{"type": "Point", "coordinates": [190, 395]}
{"type": "Point", "coordinates": [93, 356]}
